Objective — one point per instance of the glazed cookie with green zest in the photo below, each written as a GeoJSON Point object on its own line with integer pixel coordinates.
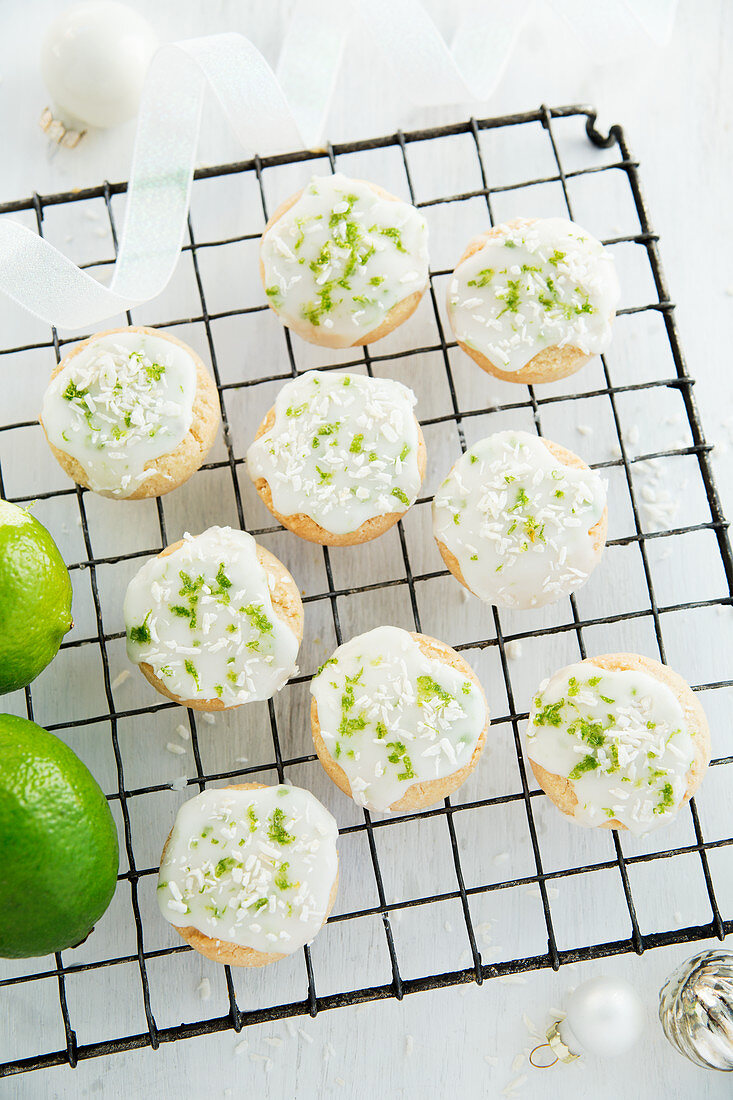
{"type": "Point", "coordinates": [120, 402]}
{"type": "Point", "coordinates": [620, 736]}
{"type": "Point", "coordinates": [520, 520]}
{"type": "Point", "coordinates": [534, 284]}
{"type": "Point", "coordinates": [341, 257]}
{"type": "Point", "coordinates": [202, 619]}
{"type": "Point", "coordinates": [390, 716]}
{"type": "Point", "coordinates": [342, 449]}
{"type": "Point", "coordinates": [253, 868]}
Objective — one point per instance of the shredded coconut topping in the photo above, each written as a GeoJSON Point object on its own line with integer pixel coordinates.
{"type": "Point", "coordinates": [119, 404]}
{"type": "Point", "coordinates": [203, 619]}
{"type": "Point", "coordinates": [253, 867]}
{"type": "Point", "coordinates": [343, 449]}
{"type": "Point", "coordinates": [342, 256]}
{"type": "Point", "coordinates": [534, 285]}
{"type": "Point", "coordinates": [518, 521]}
{"type": "Point", "coordinates": [620, 736]}
{"type": "Point", "coordinates": [392, 717]}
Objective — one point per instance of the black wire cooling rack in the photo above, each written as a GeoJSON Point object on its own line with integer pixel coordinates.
{"type": "Point", "coordinates": [454, 418]}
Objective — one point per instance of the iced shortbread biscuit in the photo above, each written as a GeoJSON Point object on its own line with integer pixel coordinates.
{"type": "Point", "coordinates": [618, 741]}
{"type": "Point", "coordinates": [131, 413]}
{"type": "Point", "coordinates": [532, 300]}
{"type": "Point", "coordinates": [520, 521]}
{"type": "Point", "coordinates": [340, 458]}
{"type": "Point", "coordinates": [249, 873]}
{"type": "Point", "coordinates": [214, 621]}
{"type": "Point", "coordinates": [343, 262]}
{"type": "Point", "coordinates": [399, 720]}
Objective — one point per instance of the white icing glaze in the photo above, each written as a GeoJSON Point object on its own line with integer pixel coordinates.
{"type": "Point", "coordinates": [343, 449]}
{"type": "Point", "coordinates": [254, 868]}
{"type": "Point", "coordinates": [535, 285]}
{"type": "Point", "coordinates": [202, 617]}
{"type": "Point", "coordinates": [624, 732]}
{"type": "Point", "coordinates": [518, 521]}
{"type": "Point", "coordinates": [392, 717]}
{"type": "Point", "coordinates": [118, 405]}
{"type": "Point", "coordinates": [342, 256]}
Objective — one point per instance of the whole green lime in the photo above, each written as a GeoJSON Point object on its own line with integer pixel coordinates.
{"type": "Point", "coordinates": [35, 598]}
{"type": "Point", "coordinates": [58, 843]}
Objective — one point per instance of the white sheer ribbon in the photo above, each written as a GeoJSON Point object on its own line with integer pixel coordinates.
{"type": "Point", "coordinates": [270, 113]}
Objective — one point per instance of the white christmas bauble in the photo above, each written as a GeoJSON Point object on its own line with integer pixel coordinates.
{"type": "Point", "coordinates": [605, 1016]}
{"type": "Point", "coordinates": [94, 58]}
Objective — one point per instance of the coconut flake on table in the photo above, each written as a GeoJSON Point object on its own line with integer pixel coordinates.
{"type": "Point", "coordinates": [512, 1087]}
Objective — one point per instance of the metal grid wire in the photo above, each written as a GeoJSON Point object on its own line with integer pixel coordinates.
{"type": "Point", "coordinates": [453, 418]}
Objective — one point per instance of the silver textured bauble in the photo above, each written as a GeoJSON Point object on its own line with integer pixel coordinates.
{"type": "Point", "coordinates": [696, 1009]}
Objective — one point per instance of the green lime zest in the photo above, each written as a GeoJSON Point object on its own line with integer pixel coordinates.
{"type": "Point", "coordinates": [276, 830]}
{"type": "Point", "coordinates": [154, 371]}
{"type": "Point", "coordinates": [483, 278]}
{"type": "Point", "coordinates": [190, 668]}
{"type": "Point", "coordinates": [73, 393]}
{"type": "Point", "coordinates": [140, 635]}
{"type": "Point", "coordinates": [393, 234]}
{"type": "Point", "coordinates": [281, 878]}
{"type": "Point", "coordinates": [666, 800]}
{"type": "Point", "coordinates": [587, 764]}
{"type": "Point", "coordinates": [257, 617]}
{"type": "Point", "coordinates": [550, 714]}
{"type": "Point", "coordinates": [398, 755]}
{"type": "Point", "coordinates": [429, 690]}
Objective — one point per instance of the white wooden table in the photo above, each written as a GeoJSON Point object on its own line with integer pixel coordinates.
{"type": "Point", "coordinates": [674, 105]}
